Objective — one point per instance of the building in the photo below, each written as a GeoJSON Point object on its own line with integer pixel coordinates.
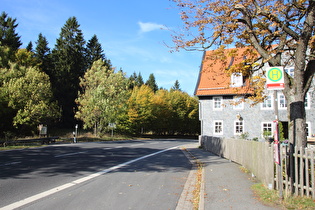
{"type": "Point", "coordinates": [224, 107]}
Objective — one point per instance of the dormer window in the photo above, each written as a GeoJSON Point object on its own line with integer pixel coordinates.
{"type": "Point", "coordinates": [236, 80]}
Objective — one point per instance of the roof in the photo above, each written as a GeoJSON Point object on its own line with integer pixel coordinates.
{"type": "Point", "coordinates": [214, 76]}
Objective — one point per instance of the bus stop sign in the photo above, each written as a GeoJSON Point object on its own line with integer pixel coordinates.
{"type": "Point", "coordinates": [275, 80]}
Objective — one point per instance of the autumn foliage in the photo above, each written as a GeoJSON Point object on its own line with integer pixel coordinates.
{"type": "Point", "coordinates": [280, 32]}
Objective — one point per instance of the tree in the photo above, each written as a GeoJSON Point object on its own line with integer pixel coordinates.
{"type": "Point", "coordinates": [29, 47]}
{"type": "Point", "coordinates": [103, 98]}
{"type": "Point", "coordinates": [280, 32]}
{"type": "Point", "coordinates": [135, 80]}
{"type": "Point", "coordinates": [8, 36]}
{"type": "Point", "coordinates": [95, 52]}
{"type": "Point", "coordinates": [42, 54]}
{"type": "Point", "coordinates": [26, 93]}
{"type": "Point", "coordinates": [140, 108]}
{"type": "Point", "coordinates": [69, 64]}
{"type": "Point", "coordinates": [152, 83]}
{"type": "Point", "coordinates": [9, 40]}
{"type": "Point", "coordinates": [24, 57]}
{"type": "Point", "coordinates": [162, 113]}
{"type": "Point", "coordinates": [176, 86]}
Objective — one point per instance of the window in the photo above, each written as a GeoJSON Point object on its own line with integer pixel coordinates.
{"type": "Point", "coordinates": [267, 129]}
{"type": "Point", "coordinates": [238, 103]}
{"type": "Point", "coordinates": [307, 101]}
{"type": "Point", "coordinates": [238, 127]}
{"type": "Point", "coordinates": [218, 127]}
{"type": "Point", "coordinates": [200, 111]}
{"type": "Point", "coordinates": [290, 71]}
{"type": "Point", "coordinates": [282, 102]}
{"type": "Point", "coordinates": [308, 129]}
{"type": "Point", "coordinates": [236, 80]}
{"type": "Point", "coordinates": [267, 104]}
{"type": "Point", "coordinates": [217, 103]}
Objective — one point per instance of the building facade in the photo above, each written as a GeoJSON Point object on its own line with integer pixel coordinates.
{"type": "Point", "coordinates": [225, 110]}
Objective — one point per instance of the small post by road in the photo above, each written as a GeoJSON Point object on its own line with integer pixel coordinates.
{"type": "Point", "coordinates": [75, 134]}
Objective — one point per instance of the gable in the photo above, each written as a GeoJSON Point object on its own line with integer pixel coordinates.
{"type": "Point", "coordinates": [214, 76]}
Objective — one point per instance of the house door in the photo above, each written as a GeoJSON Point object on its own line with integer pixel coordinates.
{"type": "Point", "coordinates": [285, 129]}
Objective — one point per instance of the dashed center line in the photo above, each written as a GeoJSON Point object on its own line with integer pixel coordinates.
{"type": "Point", "coordinates": [69, 154]}
{"type": "Point", "coordinates": [135, 145]}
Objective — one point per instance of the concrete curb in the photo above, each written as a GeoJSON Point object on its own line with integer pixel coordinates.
{"type": "Point", "coordinates": [185, 201]}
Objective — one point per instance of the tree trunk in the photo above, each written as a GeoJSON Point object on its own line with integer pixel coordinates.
{"type": "Point", "coordinates": [297, 123]}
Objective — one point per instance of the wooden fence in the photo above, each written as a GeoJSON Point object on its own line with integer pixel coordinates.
{"type": "Point", "coordinates": [297, 168]}
{"type": "Point", "coordinates": [296, 173]}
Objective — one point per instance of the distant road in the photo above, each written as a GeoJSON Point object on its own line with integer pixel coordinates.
{"type": "Point", "coordinates": [138, 174]}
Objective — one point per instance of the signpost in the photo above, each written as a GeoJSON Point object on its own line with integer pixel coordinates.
{"type": "Point", "coordinates": [112, 126]}
{"type": "Point", "coordinates": [275, 82]}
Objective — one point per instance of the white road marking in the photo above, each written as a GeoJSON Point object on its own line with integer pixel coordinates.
{"type": "Point", "coordinates": [135, 145]}
{"type": "Point", "coordinates": [76, 182]}
{"type": "Point", "coordinates": [69, 154]}
{"type": "Point", "coordinates": [10, 163]}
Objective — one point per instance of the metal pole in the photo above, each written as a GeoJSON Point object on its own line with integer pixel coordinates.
{"type": "Point", "coordinates": [76, 132]}
{"type": "Point", "coordinates": [277, 142]}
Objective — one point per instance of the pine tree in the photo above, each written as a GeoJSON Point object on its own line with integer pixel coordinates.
{"type": "Point", "coordinates": [69, 63]}
{"type": "Point", "coordinates": [139, 80]}
{"type": "Point", "coordinates": [29, 47]}
{"type": "Point", "coordinates": [176, 86]}
{"type": "Point", "coordinates": [8, 36]}
{"type": "Point", "coordinates": [95, 52]}
{"type": "Point", "coordinates": [42, 54]}
{"type": "Point", "coordinates": [135, 80]}
{"type": "Point", "coordinates": [151, 83]}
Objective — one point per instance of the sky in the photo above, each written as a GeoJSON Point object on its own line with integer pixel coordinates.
{"type": "Point", "coordinates": [135, 34]}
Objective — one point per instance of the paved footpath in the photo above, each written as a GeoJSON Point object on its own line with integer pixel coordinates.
{"type": "Point", "coordinates": [225, 185]}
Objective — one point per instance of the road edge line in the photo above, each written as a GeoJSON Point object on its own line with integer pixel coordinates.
{"type": "Point", "coordinates": [46, 193]}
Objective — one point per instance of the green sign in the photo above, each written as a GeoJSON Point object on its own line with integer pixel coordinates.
{"type": "Point", "coordinates": [275, 74]}
{"type": "Point", "coordinates": [275, 80]}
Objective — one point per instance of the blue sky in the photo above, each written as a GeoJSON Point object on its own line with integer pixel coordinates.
{"type": "Point", "coordinates": [130, 31]}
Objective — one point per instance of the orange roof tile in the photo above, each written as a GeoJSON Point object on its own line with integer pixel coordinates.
{"type": "Point", "coordinates": [213, 77]}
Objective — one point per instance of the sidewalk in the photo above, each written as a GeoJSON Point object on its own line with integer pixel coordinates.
{"type": "Point", "coordinates": [225, 186]}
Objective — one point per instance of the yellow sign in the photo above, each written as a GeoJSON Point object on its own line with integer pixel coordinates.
{"type": "Point", "coordinates": [275, 78]}
{"type": "Point", "coordinates": [275, 74]}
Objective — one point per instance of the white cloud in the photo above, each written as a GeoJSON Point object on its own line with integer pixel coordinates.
{"type": "Point", "coordinates": [147, 27]}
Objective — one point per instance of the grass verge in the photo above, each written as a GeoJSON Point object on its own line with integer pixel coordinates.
{"type": "Point", "coordinates": [271, 198]}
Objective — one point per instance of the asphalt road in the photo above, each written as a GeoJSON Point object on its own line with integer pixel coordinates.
{"type": "Point", "coordinates": [138, 174]}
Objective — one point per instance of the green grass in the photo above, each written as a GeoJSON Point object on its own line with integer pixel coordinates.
{"type": "Point", "coordinates": [19, 147]}
{"type": "Point", "coordinates": [66, 138]}
{"type": "Point", "coordinates": [271, 198]}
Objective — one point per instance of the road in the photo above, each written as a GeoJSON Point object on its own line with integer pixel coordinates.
{"type": "Point", "coordinates": [137, 174]}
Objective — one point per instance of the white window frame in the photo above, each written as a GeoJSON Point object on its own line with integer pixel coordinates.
{"type": "Point", "coordinates": [269, 98]}
{"type": "Point", "coordinates": [214, 127]}
{"type": "Point", "coordinates": [236, 125]}
{"type": "Point", "coordinates": [200, 111]}
{"type": "Point", "coordinates": [237, 79]}
{"type": "Point", "coordinates": [214, 103]}
{"type": "Point", "coordinates": [282, 102]}
{"type": "Point", "coordinates": [290, 71]}
{"type": "Point", "coordinates": [308, 129]}
{"type": "Point", "coordinates": [307, 101]}
{"type": "Point", "coordinates": [271, 128]}
{"type": "Point", "coordinates": [239, 106]}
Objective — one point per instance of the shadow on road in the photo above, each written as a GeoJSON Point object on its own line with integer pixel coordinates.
{"type": "Point", "coordinates": [74, 160]}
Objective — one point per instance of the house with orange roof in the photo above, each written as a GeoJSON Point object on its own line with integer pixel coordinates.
{"type": "Point", "coordinates": [224, 107]}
